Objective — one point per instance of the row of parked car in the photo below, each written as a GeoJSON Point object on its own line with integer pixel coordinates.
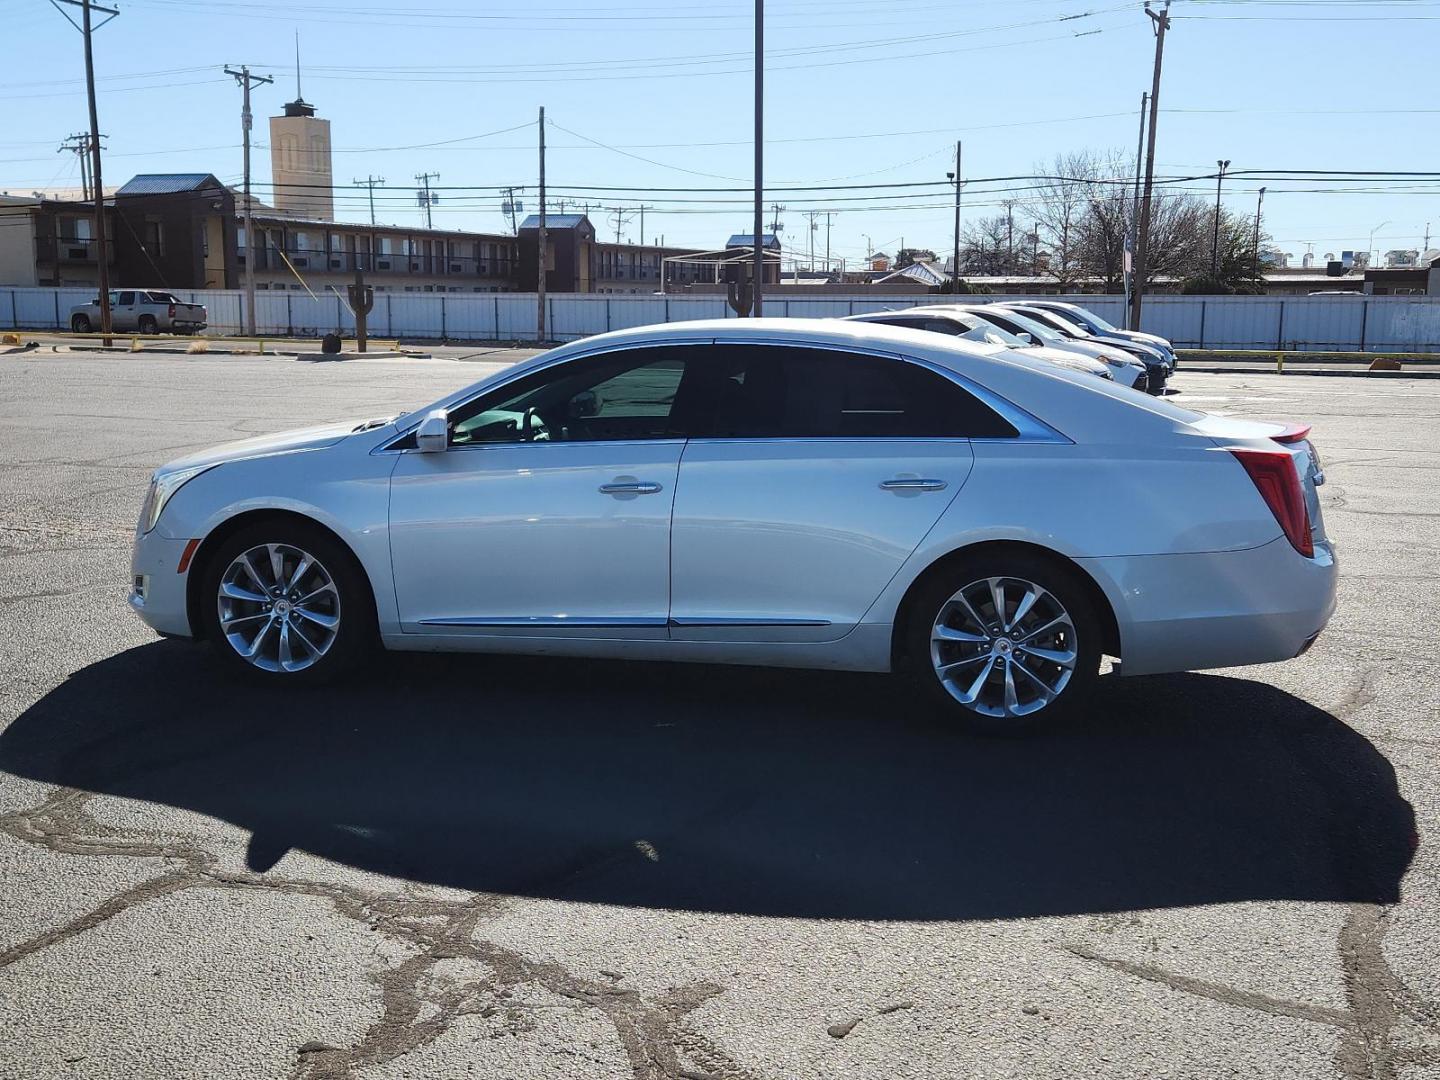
{"type": "Point", "coordinates": [1064, 334]}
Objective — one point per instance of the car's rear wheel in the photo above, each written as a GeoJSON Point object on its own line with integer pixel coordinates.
{"type": "Point", "coordinates": [80, 324]}
{"type": "Point", "coordinates": [285, 603]}
{"type": "Point", "coordinates": [1004, 642]}
{"type": "Point", "coordinates": [148, 325]}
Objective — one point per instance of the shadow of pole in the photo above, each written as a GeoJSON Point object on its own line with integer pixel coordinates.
{"type": "Point", "coordinates": [742, 790]}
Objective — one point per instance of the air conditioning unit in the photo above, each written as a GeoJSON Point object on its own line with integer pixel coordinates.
{"type": "Point", "coordinates": [382, 264]}
{"type": "Point", "coordinates": [77, 253]}
{"type": "Point", "coordinates": [456, 268]}
{"type": "Point", "coordinates": [414, 265]}
{"type": "Point", "coordinates": [300, 260]}
{"type": "Point", "coordinates": [334, 264]}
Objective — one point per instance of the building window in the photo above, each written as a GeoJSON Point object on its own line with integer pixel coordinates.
{"type": "Point", "coordinates": [154, 237]}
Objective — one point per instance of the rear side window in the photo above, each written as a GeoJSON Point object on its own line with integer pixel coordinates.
{"type": "Point", "coordinates": [758, 391]}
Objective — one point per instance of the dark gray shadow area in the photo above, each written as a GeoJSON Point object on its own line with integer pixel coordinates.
{"type": "Point", "coordinates": [742, 790]}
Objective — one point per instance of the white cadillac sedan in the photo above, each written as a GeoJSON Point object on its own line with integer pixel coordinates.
{"type": "Point", "coordinates": [790, 492]}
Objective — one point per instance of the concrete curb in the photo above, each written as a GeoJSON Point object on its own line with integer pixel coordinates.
{"type": "Point", "coordinates": [1351, 373]}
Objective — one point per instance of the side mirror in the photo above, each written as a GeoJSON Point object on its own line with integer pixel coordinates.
{"type": "Point", "coordinates": [1026, 338]}
{"type": "Point", "coordinates": [433, 434]}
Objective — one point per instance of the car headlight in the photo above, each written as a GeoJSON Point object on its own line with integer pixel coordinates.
{"type": "Point", "coordinates": [163, 487]}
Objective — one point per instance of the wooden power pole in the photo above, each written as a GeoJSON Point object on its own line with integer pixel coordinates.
{"type": "Point", "coordinates": [1161, 20]}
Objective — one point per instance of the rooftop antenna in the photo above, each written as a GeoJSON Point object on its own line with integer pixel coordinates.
{"type": "Point", "coordinates": [298, 96]}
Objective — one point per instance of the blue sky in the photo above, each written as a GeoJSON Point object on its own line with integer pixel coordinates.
{"type": "Point", "coordinates": [658, 95]}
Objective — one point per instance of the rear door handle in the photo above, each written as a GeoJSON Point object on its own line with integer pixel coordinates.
{"type": "Point", "coordinates": [630, 487]}
{"type": "Point", "coordinates": [916, 484]}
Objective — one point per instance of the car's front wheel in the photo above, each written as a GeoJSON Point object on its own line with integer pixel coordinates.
{"type": "Point", "coordinates": [285, 603]}
{"type": "Point", "coordinates": [147, 325]}
{"type": "Point", "coordinates": [1004, 642]}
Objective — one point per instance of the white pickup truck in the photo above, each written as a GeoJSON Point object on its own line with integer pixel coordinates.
{"type": "Point", "coordinates": [148, 311]}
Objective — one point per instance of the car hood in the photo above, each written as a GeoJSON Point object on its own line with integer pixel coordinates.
{"type": "Point", "coordinates": [1065, 357]}
{"type": "Point", "coordinates": [285, 442]}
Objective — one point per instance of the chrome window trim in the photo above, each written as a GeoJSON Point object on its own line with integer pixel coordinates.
{"type": "Point", "coordinates": [1029, 428]}
{"type": "Point", "coordinates": [388, 447]}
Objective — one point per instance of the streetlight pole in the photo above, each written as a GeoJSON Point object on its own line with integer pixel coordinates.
{"type": "Point", "coordinates": [1161, 21]}
{"type": "Point", "coordinates": [1370, 250]}
{"type": "Point", "coordinates": [758, 290]}
{"type": "Point", "coordinates": [246, 80]}
{"type": "Point", "coordinates": [1215, 243]}
{"type": "Point", "coordinates": [1259, 202]}
{"type": "Point", "coordinates": [955, 277]}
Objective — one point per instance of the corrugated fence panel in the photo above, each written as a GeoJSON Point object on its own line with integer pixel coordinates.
{"type": "Point", "coordinates": [1239, 322]}
{"type": "Point", "coordinates": [1316, 322]}
{"type": "Point", "coordinates": [470, 317]}
{"type": "Point", "coordinates": [517, 316]}
{"type": "Point", "coordinates": [628, 311]}
{"type": "Point", "coordinates": [1403, 324]}
{"type": "Point", "coordinates": [1373, 323]}
{"type": "Point", "coordinates": [415, 315]}
{"type": "Point", "coordinates": [1180, 323]}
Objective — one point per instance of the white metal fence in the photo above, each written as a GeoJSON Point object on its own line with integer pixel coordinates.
{"type": "Point", "coordinates": [1308, 323]}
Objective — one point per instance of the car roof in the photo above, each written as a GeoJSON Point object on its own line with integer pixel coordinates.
{"type": "Point", "coordinates": [1076, 403]}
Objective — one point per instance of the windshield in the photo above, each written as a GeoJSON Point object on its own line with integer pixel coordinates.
{"type": "Point", "coordinates": [1042, 334]}
{"type": "Point", "coordinates": [991, 334]}
{"type": "Point", "coordinates": [1067, 327]}
{"type": "Point", "coordinates": [1095, 322]}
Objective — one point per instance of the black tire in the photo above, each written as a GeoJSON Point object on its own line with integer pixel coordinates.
{"type": "Point", "coordinates": [80, 324]}
{"type": "Point", "coordinates": [355, 637]}
{"type": "Point", "coordinates": [1064, 587]}
{"type": "Point", "coordinates": [147, 325]}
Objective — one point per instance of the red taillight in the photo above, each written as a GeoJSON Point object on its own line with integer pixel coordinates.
{"type": "Point", "coordinates": [1273, 473]}
{"type": "Point", "coordinates": [1293, 433]}
{"type": "Point", "coordinates": [172, 311]}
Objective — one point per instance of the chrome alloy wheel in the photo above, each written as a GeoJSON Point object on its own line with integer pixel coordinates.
{"type": "Point", "coordinates": [1003, 646]}
{"type": "Point", "coordinates": [279, 607]}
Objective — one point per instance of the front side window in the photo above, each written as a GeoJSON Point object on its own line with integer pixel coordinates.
{"type": "Point", "coordinates": [625, 395]}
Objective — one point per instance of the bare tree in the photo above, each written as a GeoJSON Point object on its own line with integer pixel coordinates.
{"type": "Point", "coordinates": [1060, 206]}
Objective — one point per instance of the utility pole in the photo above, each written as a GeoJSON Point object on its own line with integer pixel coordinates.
{"type": "Point", "coordinates": [642, 223]}
{"type": "Point", "coordinates": [371, 182]}
{"type": "Point", "coordinates": [1010, 236]}
{"type": "Point", "coordinates": [1161, 23]}
{"type": "Point", "coordinates": [1215, 243]}
{"type": "Point", "coordinates": [102, 246]}
{"type": "Point", "coordinates": [541, 243]}
{"type": "Point", "coordinates": [1259, 202]}
{"type": "Point", "coordinates": [758, 291]}
{"type": "Point", "coordinates": [509, 206]}
{"type": "Point", "coordinates": [812, 215]}
{"type": "Point", "coordinates": [828, 215]}
{"type": "Point", "coordinates": [1128, 277]}
{"type": "Point", "coordinates": [79, 145]}
{"type": "Point", "coordinates": [425, 197]}
{"type": "Point", "coordinates": [246, 80]}
{"type": "Point", "coordinates": [775, 226]}
{"type": "Point", "coordinates": [620, 217]}
{"type": "Point", "coordinates": [955, 275]}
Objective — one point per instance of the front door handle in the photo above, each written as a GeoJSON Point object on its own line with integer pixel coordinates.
{"type": "Point", "coordinates": [917, 484]}
{"type": "Point", "coordinates": [630, 487]}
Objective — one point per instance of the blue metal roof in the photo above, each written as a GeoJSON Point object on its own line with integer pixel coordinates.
{"type": "Point", "coordinates": [748, 240]}
{"type": "Point", "coordinates": [168, 183]}
{"type": "Point", "coordinates": [555, 221]}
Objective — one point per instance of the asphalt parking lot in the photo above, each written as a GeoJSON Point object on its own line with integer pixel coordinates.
{"type": "Point", "coordinates": [476, 867]}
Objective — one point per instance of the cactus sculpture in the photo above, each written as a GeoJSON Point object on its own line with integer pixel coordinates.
{"type": "Point", "coordinates": [361, 299]}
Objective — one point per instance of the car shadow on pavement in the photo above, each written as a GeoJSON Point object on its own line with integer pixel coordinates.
{"type": "Point", "coordinates": [742, 790]}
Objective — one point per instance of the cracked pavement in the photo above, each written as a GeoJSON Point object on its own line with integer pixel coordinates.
{"type": "Point", "coordinates": [487, 867]}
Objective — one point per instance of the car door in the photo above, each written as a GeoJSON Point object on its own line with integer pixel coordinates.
{"type": "Point", "coordinates": [818, 474]}
{"type": "Point", "coordinates": [123, 314]}
{"type": "Point", "coordinates": [549, 514]}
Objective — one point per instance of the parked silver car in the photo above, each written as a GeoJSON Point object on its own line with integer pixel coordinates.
{"type": "Point", "coordinates": [147, 311]}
